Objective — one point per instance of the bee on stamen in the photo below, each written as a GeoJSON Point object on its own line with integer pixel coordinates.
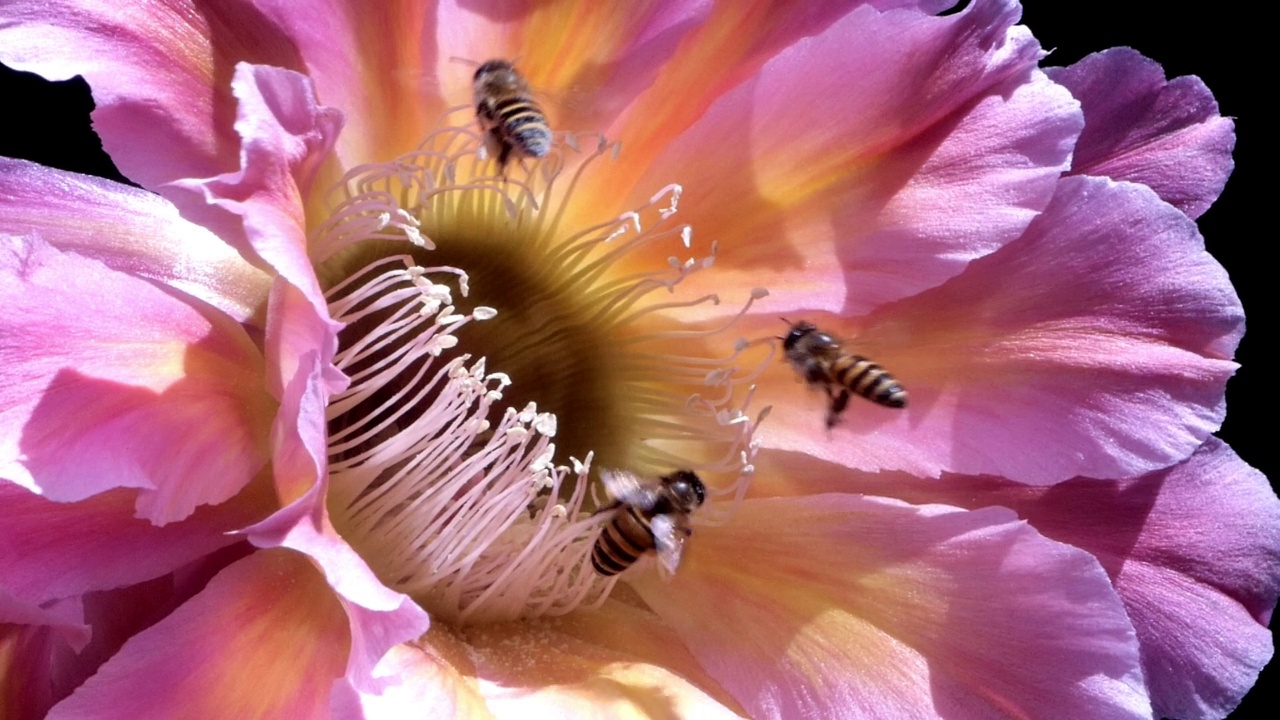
{"type": "Point", "coordinates": [647, 516]}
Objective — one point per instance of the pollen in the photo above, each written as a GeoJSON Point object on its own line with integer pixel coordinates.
{"type": "Point", "coordinates": [498, 358]}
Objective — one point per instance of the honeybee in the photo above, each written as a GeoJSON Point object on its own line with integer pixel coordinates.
{"type": "Point", "coordinates": [646, 516]}
{"type": "Point", "coordinates": [508, 114]}
{"type": "Point", "coordinates": [820, 360]}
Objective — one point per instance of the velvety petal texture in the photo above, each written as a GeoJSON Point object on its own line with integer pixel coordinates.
{"type": "Point", "coordinates": [115, 382]}
{"type": "Point", "coordinates": [285, 136]}
{"type": "Point", "coordinates": [32, 642]}
{"type": "Point", "coordinates": [375, 60]}
{"type": "Point", "coordinates": [1194, 552]}
{"type": "Point", "coordinates": [259, 209]}
{"type": "Point", "coordinates": [1049, 359]}
{"type": "Point", "coordinates": [979, 140]}
{"type": "Point", "coordinates": [1165, 134]}
{"type": "Point", "coordinates": [264, 640]}
{"type": "Point", "coordinates": [159, 73]}
{"type": "Point", "coordinates": [51, 550]}
{"type": "Point", "coordinates": [378, 618]}
{"type": "Point", "coordinates": [129, 230]}
{"type": "Point", "coordinates": [850, 606]}
{"type": "Point", "coordinates": [1047, 529]}
{"type": "Point", "coordinates": [735, 40]}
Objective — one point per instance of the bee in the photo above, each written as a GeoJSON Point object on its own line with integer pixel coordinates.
{"type": "Point", "coordinates": [820, 360]}
{"type": "Point", "coordinates": [646, 516]}
{"type": "Point", "coordinates": [507, 113]}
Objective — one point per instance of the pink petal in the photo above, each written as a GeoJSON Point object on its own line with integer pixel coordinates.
{"type": "Point", "coordinates": [380, 618]}
{"type": "Point", "coordinates": [841, 606]}
{"type": "Point", "coordinates": [34, 643]}
{"type": "Point", "coordinates": [731, 45]}
{"type": "Point", "coordinates": [60, 654]}
{"type": "Point", "coordinates": [1200, 579]}
{"type": "Point", "coordinates": [299, 437]}
{"type": "Point", "coordinates": [426, 680]}
{"type": "Point", "coordinates": [550, 670]}
{"type": "Point", "coordinates": [950, 144]}
{"type": "Point", "coordinates": [264, 639]}
{"type": "Point", "coordinates": [1095, 345]}
{"type": "Point", "coordinates": [584, 84]}
{"type": "Point", "coordinates": [118, 383]}
{"type": "Point", "coordinates": [285, 137]}
{"type": "Point", "coordinates": [1195, 554]}
{"type": "Point", "coordinates": [158, 71]}
{"type": "Point", "coordinates": [1167, 135]}
{"type": "Point", "coordinates": [1193, 550]}
{"type": "Point", "coordinates": [622, 627]}
{"type": "Point", "coordinates": [51, 550]}
{"type": "Point", "coordinates": [128, 230]}
{"type": "Point", "coordinates": [374, 61]}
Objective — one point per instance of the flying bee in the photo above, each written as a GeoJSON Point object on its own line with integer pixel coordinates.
{"type": "Point", "coordinates": [507, 113]}
{"type": "Point", "coordinates": [820, 360]}
{"type": "Point", "coordinates": [646, 516]}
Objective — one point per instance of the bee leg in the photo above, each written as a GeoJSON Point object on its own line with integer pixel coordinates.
{"type": "Point", "coordinates": [838, 403]}
{"type": "Point", "coordinates": [608, 508]}
{"type": "Point", "coordinates": [814, 374]}
{"type": "Point", "coordinates": [504, 156]}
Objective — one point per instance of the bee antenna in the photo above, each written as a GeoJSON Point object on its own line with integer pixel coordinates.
{"type": "Point", "coordinates": [463, 61]}
{"type": "Point", "coordinates": [785, 320]}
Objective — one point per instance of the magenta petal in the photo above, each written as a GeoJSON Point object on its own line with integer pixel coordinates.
{"type": "Point", "coordinates": [846, 606]}
{"type": "Point", "coordinates": [1195, 554]}
{"type": "Point", "coordinates": [376, 62]}
{"type": "Point", "coordinates": [129, 230]}
{"type": "Point", "coordinates": [1139, 127]}
{"type": "Point", "coordinates": [379, 617]}
{"type": "Point", "coordinates": [51, 550]}
{"type": "Point", "coordinates": [1098, 344]}
{"type": "Point", "coordinates": [979, 139]}
{"type": "Point", "coordinates": [1193, 550]}
{"type": "Point", "coordinates": [285, 136]}
{"type": "Point", "coordinates": [158, 71]}
{"type": "Point", "coordinates": [1200, 578]}
{"type": "Point", "coordinates": [115, 382]}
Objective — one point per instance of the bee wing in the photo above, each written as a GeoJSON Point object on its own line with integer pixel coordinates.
{"type": "Point", "coordinates": [668, 540]}
{"type": "Point", "coordinates": [628, 488]}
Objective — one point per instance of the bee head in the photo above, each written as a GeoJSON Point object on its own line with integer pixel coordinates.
{"type": "Point", "coordinates": [798, 330]}
{"type": "Point", "coordinates": [686, 489]}
{"type": "Point", "coordinates": [493, 66]}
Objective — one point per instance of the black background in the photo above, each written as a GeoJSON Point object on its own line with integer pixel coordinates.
{"type": "Point", "coordinates": [49, 123]}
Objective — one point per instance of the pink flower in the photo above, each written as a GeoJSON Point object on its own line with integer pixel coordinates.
{"type": "Point", "coordinates": [308, 426]}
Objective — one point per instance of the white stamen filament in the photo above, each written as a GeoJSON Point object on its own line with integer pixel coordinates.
{"type": "Point", "coordinates": [473, 517]}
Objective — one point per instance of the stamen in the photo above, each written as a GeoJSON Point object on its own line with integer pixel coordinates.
{"type": "Point", "coordinates": [435, 499]}
{"type": "Point", "coordinates": [454, 500]}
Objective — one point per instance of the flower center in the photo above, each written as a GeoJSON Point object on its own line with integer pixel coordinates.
{"type": "Point", "coordinates": [469, 508]}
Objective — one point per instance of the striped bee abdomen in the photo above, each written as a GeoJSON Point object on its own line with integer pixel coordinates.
{"type": "Point", "coordinates": [622, 541]}
{"type": "Point", "coordinates": [865, 378]}
{"type": "Point", "coordinates": [523, 125]}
